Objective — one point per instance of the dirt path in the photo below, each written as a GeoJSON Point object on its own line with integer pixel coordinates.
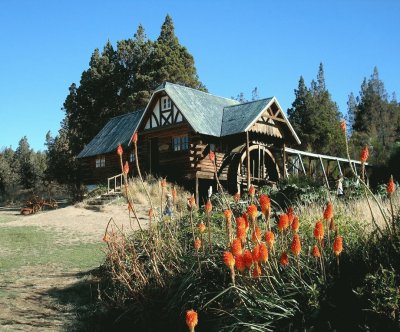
{"type": "Point", "coordinates": [45, 264]}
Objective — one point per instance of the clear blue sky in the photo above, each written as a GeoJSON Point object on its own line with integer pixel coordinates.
{"type": "Point", "coordinates": [237, 45]}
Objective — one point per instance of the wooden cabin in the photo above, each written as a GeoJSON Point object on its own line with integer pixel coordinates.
{"type": "Point", "coordinates": [178, 129]}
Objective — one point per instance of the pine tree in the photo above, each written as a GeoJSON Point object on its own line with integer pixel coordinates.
{"type": "Point", "coordinates": [170, 61]}
{"type": "Point", "coordinates": [315, 117]}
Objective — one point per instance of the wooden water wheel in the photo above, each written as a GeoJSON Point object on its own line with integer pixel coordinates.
{"type": "Point", "coordinates": [263, 167]}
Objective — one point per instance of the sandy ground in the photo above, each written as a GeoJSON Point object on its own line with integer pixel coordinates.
{"type": "Point", "coordinates": [46, 298]}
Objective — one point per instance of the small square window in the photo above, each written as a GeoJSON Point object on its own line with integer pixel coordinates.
{"type": "Point", "coordinates": [100, 161]}
{"type": "Point", "coordinates": [180, 143]}
{"type": "Point", "coordinates": [165, 103]}
{"type": "Point", "coordinates": [132, 157]}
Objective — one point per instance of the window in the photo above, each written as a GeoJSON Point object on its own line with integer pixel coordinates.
{"type": "Point", "coordinates": [212, 147]}
{"type": "Point", "coordinates": [100, 161]}
{"type": "Point", "coordinates": [165, 103]}
{"type": "Point", "coordinates": [180, 143]}
{"type": "Point", "coordinates": [132, 157]}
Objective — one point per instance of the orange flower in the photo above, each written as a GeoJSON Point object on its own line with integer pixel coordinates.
{"type": "Point", "coordinates": [343, 125]}
{"type": "Point", "coordinates": [256, 253]}
{"type": "Point", "coordinates": [163, 183]}
{"type": "Point", "coordinates": [237, 247]}
{"type": "Point", "coordinates": [319, 231]}
{"type": "Point", "coordinates": [252, 191]}
{"type": "Point", "coordinates": [328, 212]}
{"type": "Point", "coordinates": [283, 222]}
{"type": "Point", "coordinates": [191, 319]}
{"type": "Point", "coordinates": [197, 244]}
{"type": "Point", "coordinates": [208, 206]}
{"type": "Point", "coordinates": [263, 253]}
{"type": "Point", "coordinates": [173, 193]}
{"type": "Point", "coordinates": [290, 214]}
{"type": "Point", "coordinates": [241, 234]}
{"type": "Point", "coordinates": [236, 197]}
{"type": "Point", "coordinates": [315, 252]}
{"type": "Point", "coordinates": [229, 260]}
{"type": "Point", "coordinates": [130, 208]}
{"type": "Point", "coordinates": [151, 213]}
{"type": "Point", "coordinates": [228, 214]}
{"type": "Point", "coordinates": [364, 154]}
{"type": "Point", "coordinates": [239, 263]}
{"type": "Point", "coordinates": [295, 224]}
{"type": "Point", "coordinates": [211, 156]}
{"type": "Point", "coordinates": [201, 227]}
{"type": "Point", "coordinates": [284, 260]}
{"type": "Point", "coordinates": [246, 221]}
{"type": "Point", "coordinates": [120, 151]}
{"type": "Point", "coordinates": [265, 203]}
{"type": "Point", "coordinates": [338, 245]}
{"type": "Point", "coordinates": [270, 238]}
{"type": "Point", "coordinates": [256, 271]}
{"type": "Point", "coordinates": [247, 258]}
{"type": "Point", "coordinates": [106, 238]}
{"type": "Point", "coordinates": [391, 187]}
{"type": "Point", "coordinates": [126, 168]}
{"type": "Point", "coordinates": [256, 236]}
{"type": "Point", "coordinates": [134, 138]}
{"type": "Point", "coordinates": [296, 245]}
{"type": "Point", "coordinates": [191, 202]}
{"type": "Point", "coordinates": [252, 211]}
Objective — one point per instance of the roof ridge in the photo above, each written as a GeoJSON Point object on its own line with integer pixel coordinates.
{"type": "Point", "coordinates": [249, 102]}
{"type": "Point", "coordinates": [197, 90]}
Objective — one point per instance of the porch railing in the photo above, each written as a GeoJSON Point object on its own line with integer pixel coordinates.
{"type": "Point", "coordinates": [115, 183]}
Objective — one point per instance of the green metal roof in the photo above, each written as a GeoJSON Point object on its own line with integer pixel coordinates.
{"type": "Point", "coordinates": [202, 110]}
{"type": "Point", "coordinates": [237, 118]}
{"type": "Point", "coordinates": [118, 130]}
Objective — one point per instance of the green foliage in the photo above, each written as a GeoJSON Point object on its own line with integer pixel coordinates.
{"type": "Point", "coordinates": [376, 120]}
{"type": "Point", "coordinates": [315, 117]}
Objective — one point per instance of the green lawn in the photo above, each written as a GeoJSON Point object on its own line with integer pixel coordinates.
{"type": "Point", "coordinates": [32, 246]}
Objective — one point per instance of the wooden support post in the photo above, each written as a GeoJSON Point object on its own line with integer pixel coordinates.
{"type": "Point", "coordinates": [323, 170]}
{"type": "Point", "coordinates": [284, 161]}
{"type": "Point", "coordinates": [302, 164]}
{"type": "Point", "coordinates": [197, 190]}
{"type": "Point", "coordinates": [248, 160]}
{"type": "Point", "coordinates": [340, 168]}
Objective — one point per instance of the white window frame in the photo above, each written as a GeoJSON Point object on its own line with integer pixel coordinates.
{"type": "Point", "coordinates": [166, 103]}
{"type": "Point", "coordinates": [100, 161]}
{"type": "Point", "coordinates": [132, 157]}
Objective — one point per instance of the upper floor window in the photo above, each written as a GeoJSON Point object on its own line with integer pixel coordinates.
{"type": "Point", "coordinates": [180, 143]}
{"type": "Point", "coordinates": [165, 103]}
{"type": "Point", "coordinates": [100, 161]}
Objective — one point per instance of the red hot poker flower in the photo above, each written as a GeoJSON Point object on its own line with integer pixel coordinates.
{"type": "Point", "coordinates": [343, 125]}
{"type": "Point", "coordinates": [265, 203]}
{"type": "Point", "coordinates": [256, 253]}
{"type": "Point", "coordinates": [364, 154]}
{"type": "Point", "coordinates": [283, 222]}
{"type": "Point", "coordinates": [290, 214]}
{"type": "Point", "coordinates": [211, 156]}
{"type": "Point", "coordinates": [229, 260]}
{"type": "Point", "coordinates": [126, 168]}
{"type": "Point", "coordinates": [252, 211]}
{"type": "Point", "coordinates": [236, 197]}
{"type": "Point", "coordinates": [391, 187]}
{"type": "Point", "coordinates": [284, 260]}
{"type": "Point", "coordinates": [201, 227]}
{"type": "Point", "coordinates": [295, 224]}
{"type": "Point", "coordinates": [173, 193]}
{"type": "Point", "coordinates": [248, 258]}
{"type": "Point", "coordinates": [328, 212]}
{"type": "Point", "coordinates": [237, 247]}
{"type": "Point", "coordinates": [256, 271]}
{"type": "Point", "coordinates": [208, 206]}
{"type": "Point", "coordinates": [197, 244]}
{"type": "Point", "coordinates": [239, 263]}
{"type": "Point", "coordinates": [120, 151]}
{"type": "Point", "coordinates": [191, 319]}
{"type": "Point", "coordinates": [163, 183]}
{"type": "Point", "coordinates": [270, 239]}
{"type": "Point", "coordinates": [135, 137]}
{"type": "Point", "coordinates": [338, 245]}
{"type": "Point", "coordinates": [256, 236]}
{"type": "Point", "coordinates": [263, 253]}
{"type": "Point", "coordinates": [319, 231]}
{"type": "Point", "coordinates": [252, 191]}
{"type": "Point", "coordinates": [296, 245]}
{"type": "Point", "coordinates": [228, 214]}
{"type": "Point", "coordinates": [315, 252]}
{"type": "Point", "coordinates": [191, 202]}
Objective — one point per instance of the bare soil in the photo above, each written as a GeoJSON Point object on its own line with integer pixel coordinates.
{"type": "Point", "coordinates": [54, 296]}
